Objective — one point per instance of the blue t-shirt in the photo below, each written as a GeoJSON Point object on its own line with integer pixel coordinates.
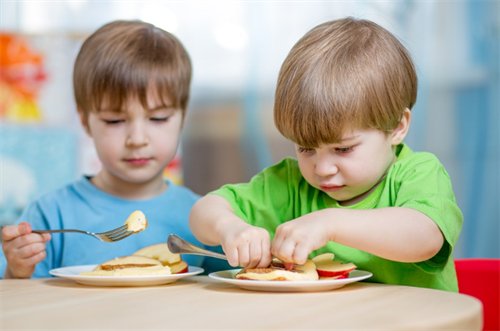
{"type": "Point", "coordinates": [83, 206]}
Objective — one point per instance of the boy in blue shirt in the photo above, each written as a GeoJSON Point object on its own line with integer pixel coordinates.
{"type": "Point", "coordinates": [343, 96]}
{"type": "Point", "coordinates": [131, 83]}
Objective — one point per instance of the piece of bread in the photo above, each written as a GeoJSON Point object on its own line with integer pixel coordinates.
{"type": "Point", "coordinates": [129, 266]}
{"type": "Point", "coordinates": [277, 273]}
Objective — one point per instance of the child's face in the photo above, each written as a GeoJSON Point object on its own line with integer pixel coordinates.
{"type": "Point", "coordinates": [136, 144]}
{"type": "Point", "coordinates": [347, 171]}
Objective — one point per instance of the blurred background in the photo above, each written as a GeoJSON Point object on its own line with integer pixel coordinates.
{"type": "Point", "coordinates": [237, 49]}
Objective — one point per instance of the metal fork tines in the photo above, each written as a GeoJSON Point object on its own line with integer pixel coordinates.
{"type": "Point", "coordinates": [109, 236]}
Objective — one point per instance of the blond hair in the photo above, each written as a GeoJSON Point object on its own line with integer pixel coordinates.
{"type": "Point", "coordinates": [124, 59]}
{"type": "Point", "coordinates": [345, 74]}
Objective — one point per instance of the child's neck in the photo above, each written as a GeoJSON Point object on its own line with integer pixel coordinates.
{"type": "Point", "coordinates": [361, 197]}
{"type": "Point", "coordinates": [127, 190]}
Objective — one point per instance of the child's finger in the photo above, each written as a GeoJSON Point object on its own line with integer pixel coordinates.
{"type": "Point", "coordinates": [46, 236]}
{"type": "Point", "coordinates": [37, 258]}
{"type": "Point", "coordinates": [13, 231]}
{"type": "Point", "coordinates": [232, 256]}
{"type": "Point", "coordinates": [277, 241]}
{"type": "Point", "coordinates": [266, 254]}
{"type": "Point", "coordinates": [300, 254]}
{"type": "Point", "coordinates": [244, 255]}
{"type": "Point", "coordinates": [255, 254]}
{"type": "Point", "coordinates": [285, 251]}
{"type": "Point", "coordinates": [27, 240]}
{"type": "Point", "coordinates": [28, 251]}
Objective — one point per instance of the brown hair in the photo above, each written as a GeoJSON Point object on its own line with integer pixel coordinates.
{"type": "Point", "coordinates": [343, 75]}
{"type": "Point", "coordinates": [124, 59]}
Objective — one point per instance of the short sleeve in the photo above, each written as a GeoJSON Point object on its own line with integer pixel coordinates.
{"type": "Point", "coordinates": [266, 200]}
{"type": "Point", "coordinates": [426, 187]}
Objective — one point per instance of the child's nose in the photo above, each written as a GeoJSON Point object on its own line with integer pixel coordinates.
{"type": "Point", "coordinates": [137, 135]}
{"type": "Point", "coordinates": [325, 167]}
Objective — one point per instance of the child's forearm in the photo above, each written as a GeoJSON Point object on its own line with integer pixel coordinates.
{"type": "Point", "coordinates": [394, 233]}
{"type": "Point", "coordinates": [208, 216]}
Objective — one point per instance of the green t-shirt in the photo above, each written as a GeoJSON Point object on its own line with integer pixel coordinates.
{"type": "Point", "coordinates": [416, 180]}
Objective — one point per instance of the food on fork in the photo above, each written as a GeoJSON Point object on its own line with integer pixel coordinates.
{"type": "Point", "coordinates": [161, 253]}
{"type": "Point", "coordinates": [321, 267]}
{"type": "Point", "coordinates": [129, 266]}
{"type": "Point", "coordinates": [277, 272]}
{"type": "Point", "coordinates": [136, 221]}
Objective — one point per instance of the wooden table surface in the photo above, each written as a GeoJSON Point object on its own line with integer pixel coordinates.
{"type": "Point", "coordinates": [201, 303]}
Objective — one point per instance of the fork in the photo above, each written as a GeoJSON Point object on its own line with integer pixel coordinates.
{"type": "Point", "coordinates": [178, 245]}
{"type": "Point", "coordinates": [110, 236]}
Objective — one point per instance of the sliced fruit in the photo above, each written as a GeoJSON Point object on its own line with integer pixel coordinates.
{"type": "Point", "coordinates": [325, 257]}
{"type": "Point", "coordinates": [328, 268]}
{"type": "Point", "coordinates": [179, 268]}
{"type": "Point", "coordinates": [336, 277]}
{"type": "Point", "coordinates": [161, 253]}
{"type": "Point", "coordinates": [136, 221]}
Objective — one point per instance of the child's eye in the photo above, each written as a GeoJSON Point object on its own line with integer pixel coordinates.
{"type": "Point", "coordinates": [113, 121]}
{"type": "Point", "coordinates": [305, 150]}
{"type": "Point", "coordinates": [343, 150]}
{"type": "Point", "coordinates": [159, 119]}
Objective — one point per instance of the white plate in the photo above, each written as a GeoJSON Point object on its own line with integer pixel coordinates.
{"type": "Point", "coordinates": [73, 273]}
{"type": "Point", "coordinates": [227, 276]}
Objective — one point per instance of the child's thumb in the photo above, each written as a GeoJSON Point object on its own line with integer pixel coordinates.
{"type": "Point", "coordinates": [10, 232]}
{"type": "Point", "coordinates": [24, 228]}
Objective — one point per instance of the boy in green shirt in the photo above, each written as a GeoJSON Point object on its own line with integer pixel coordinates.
{"type": "Point", "coordinates": [343, 96]}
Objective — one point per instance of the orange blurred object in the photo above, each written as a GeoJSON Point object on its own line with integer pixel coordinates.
{"type": "Point", "coordinates": [21, 76]}
{"type": "Point", "coordinates": [174, 170]}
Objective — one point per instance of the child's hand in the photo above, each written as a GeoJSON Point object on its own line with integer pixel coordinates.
{"type": "Point", "coordinates": [294, 240]}
{"type": "Point", "coordinates": [246, 246]}
{"type": "Point", "coordinates": [23, 249]}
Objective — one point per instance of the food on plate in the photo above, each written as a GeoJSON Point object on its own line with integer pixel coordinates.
{"type": "Point", "coordinates": [329, 269]}
{"type": "Point", "coordinates": [321, 267]}
{"type": "Point", "coordinates": [129, 266]}
{"type": "Point", "coordinates": [278, 273]}
{"type": "Point", "coordinates": [161, 253]}
{"type": "Point", "coordinates": [136, 221]}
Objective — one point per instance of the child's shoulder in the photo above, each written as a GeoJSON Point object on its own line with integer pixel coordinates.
{"type": "Point", "coordinates": [51, 204]}
{"type": "Point", "coordinates": [66, 192]}
{"type": "Point", "coordinates": [410, 162]}
{"type": "Point", "coordinates": [287, 166]}
{"type": "Point", "coordinates": [284, 171]}
{"type": "Point", "coordinates": [407, 156]}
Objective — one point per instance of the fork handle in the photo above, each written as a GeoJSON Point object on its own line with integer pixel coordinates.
{"type": "Point", "coordinates": [178, 245]}
{"type": "Point", "coordinates": [59, 231]}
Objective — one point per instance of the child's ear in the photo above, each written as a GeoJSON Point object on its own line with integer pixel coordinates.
{"type": "Point", "coordinates": [83, 120]}
{"type": "Point", "coordinates": [400, 132]}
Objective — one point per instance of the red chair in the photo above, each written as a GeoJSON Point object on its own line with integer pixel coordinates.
{"type": "Point", "coordinates": [480, 278]}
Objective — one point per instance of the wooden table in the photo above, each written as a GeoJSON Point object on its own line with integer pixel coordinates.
{"type": "Point", "coordinates": [201, 303]}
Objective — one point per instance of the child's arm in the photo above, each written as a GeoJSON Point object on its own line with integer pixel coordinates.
{"type": "Point", "coordinates": [23, 249]}
{"type": "Point", "coordinates": [214, 222]}
{"type": "Point", "coordinates": [394, 233]}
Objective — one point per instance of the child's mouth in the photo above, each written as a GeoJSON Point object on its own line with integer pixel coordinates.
{"type": "Point", "coordinates": [137, 162]}
{"type": "Point", "coordinates": [331, 188]}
